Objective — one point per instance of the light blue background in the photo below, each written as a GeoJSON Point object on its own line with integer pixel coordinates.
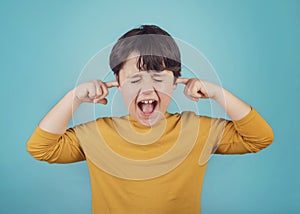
{"type": "Point", "coordinates": [253, 45]}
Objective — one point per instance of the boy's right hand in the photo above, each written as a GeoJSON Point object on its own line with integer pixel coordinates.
{"type": "Point", "coordinates": [93, 91]}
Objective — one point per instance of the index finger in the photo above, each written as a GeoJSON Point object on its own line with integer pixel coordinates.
{"type": "Point", "coordinates": [182, 80]}
{"type": "Point", "coordinates": [111, 84]}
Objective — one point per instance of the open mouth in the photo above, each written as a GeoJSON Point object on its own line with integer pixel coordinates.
{"type": "Point", "coordinates": [147, 106]}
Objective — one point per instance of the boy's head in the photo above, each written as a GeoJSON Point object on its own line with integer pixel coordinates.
{"type": "Point", "coordinates": [146, 63]}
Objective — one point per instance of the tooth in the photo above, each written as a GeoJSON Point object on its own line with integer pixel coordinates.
{"type": "Point", "coordinates": [146, 101]}
{"type": "Point", "coordinates": [150, 101]}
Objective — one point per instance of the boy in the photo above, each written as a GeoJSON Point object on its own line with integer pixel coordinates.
{"type": "Point", "coordinates": [148, 161]}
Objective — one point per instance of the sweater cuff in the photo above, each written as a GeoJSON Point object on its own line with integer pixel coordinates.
{"type": "Point", "coordinates": [46, 134]}
{"type": "Point", "coordinates": [246, 118]}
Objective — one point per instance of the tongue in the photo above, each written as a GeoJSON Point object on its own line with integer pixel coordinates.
{"type": "Point", "coordinates": [147, 108]}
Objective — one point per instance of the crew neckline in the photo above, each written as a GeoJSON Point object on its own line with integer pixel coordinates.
{"type": "Point", "coordinates": [140, 126]}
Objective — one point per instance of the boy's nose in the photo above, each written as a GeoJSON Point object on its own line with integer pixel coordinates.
{"type": "Point", "coordinates": [147, 88]}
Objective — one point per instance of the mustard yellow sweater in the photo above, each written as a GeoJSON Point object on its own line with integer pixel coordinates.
{"type": "Point", "coordinates": [137, 169]}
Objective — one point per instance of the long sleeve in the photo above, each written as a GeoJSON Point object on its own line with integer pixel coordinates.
{"type": "Point", "coordinates": [247, 135]}
{"type": "Point", "coordinates": [55, 148]}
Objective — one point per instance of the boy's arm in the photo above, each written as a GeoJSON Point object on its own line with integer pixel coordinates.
{"type": "Point", "coordinates": [198, 89]}
{"type": "Point", "coordinates": [56, 121]}
{"type": "Point", "coordinates": [247, 135]}
{"type": "Point", "coordinates": [52, 141]}
{"type": "Point", "coordinates": [233, 106]}
{"type": "Point", "coordinates": [247, 132]}
{"type": "Point", "coordinates": [55, 148]}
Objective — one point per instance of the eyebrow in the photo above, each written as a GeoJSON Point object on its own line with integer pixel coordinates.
{"type": "Point", "coordinates": [136, 75]}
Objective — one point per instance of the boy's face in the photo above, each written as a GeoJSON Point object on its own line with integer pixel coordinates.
{"type": "Point", "coordinates": [146, 94]}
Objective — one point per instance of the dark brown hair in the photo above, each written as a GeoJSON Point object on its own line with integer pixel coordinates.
{"type": "Point", "coordinates": [156, 48]}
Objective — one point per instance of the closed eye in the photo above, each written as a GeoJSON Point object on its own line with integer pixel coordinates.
{"type": "Point", "coordinates": [135, 81]}
{"type": "Point", "coordinates": [157, 80]}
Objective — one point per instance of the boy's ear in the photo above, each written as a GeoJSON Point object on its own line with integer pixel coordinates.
{"type": "Point", "coordinates": [117, 79]}
{"type": "Point", "coordinates": [175, 84]}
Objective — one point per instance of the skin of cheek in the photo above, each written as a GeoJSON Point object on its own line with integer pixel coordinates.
{"type": "Point", "coordinates": [129, 94]}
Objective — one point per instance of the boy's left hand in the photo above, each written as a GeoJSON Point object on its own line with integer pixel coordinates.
{"type": "Point", "coordinates": [196, 88]}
